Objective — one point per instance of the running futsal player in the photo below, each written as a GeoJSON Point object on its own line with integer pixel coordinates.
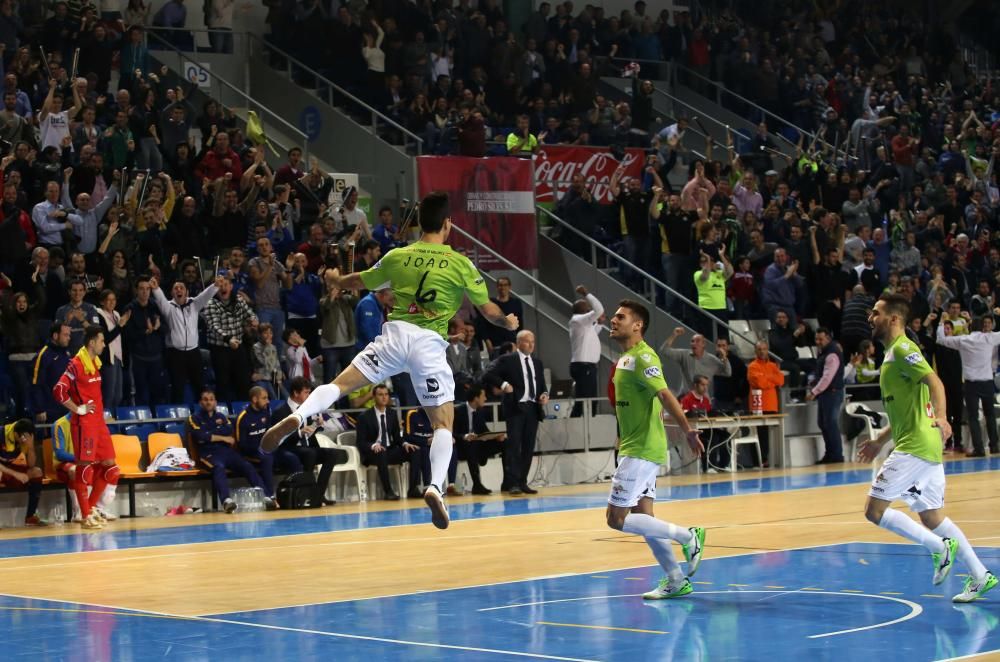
{"type": "Point", "coordinates": [913, 473]}
{"type": "Point", "coordinates": [641, 395]}
{"type": "Point", "coordinates": [429, 280]}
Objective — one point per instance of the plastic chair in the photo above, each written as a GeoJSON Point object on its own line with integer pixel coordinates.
{"type": "Point", "coordinates": [349, 440]}
{"type": "Point", "coordinates": [222, 408]}
{"type": "Point", "coordinates": [346, 442]}
{"type": "Point", "coordinates": [142, 430]}
{"type": "Point", "coordinates": [128, 454]}
{"type": "Point", "coordinates": [133, 413]}
{"type": "Point", "coordinates": [749, 439]}
{"type": "Point", "coordinates": [871, 432]}
{"type": "Point", "coordinates": [159, 442]}
{"type": "Point", "coordinates": [174, 428]}
{"type": "Point", "coordinates": [173, 411]}
{"type": "Point", "coordinates": [47, 460]}
{"type": "Point", "coordinates": [237, 407]}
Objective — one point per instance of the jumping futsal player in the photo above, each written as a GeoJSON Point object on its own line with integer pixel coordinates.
{"type": "Point", "coordinates": [428, 279]}
{"type": "Point", "coordinates": [641, 395]}
{"type": "Point", "coordinates": [913, 473]}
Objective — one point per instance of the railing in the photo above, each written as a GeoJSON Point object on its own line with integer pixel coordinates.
{"type": "Point", "coordinates": [722, 94]}
{"type": "Point", "coordinates": [654, 282]}
{"type": "Point", "coordinates": [227, 93]}
{"type": "Point", "coordinates": [355, 106]}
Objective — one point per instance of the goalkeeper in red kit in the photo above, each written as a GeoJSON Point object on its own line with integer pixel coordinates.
{"type": "Point", "coordinates": [79, 390]}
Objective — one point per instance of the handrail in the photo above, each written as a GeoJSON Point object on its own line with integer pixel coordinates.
{"type": "Point", "coordinates": [326, 81]}
{"type": "Point", "coordinates": [722, 89]}
{"type": "Point", "coordinates": [653, 279]}
{"type": "Point", "coordinates": [534, 281]}
{"type": "Point", "coordinates": [288, 125]}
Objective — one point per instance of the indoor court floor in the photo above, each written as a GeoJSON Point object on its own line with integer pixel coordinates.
{"type": "Point", "coordinates": [792, 571]}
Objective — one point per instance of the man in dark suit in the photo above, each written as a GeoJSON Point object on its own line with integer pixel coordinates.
{"type": "Point", "coordinates": [303, 443]}
{"type": "Point", "coordinates": [521, 378]}
{"type": "Point", "coordinates": [470, 424]}
{"type": "Point", "coordinates": [380, 442]}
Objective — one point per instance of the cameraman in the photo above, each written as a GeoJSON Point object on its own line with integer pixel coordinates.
{"type": "Point", "coordinates": [338, 334]}
{"type": "Point", "coordinates": [471, 132]}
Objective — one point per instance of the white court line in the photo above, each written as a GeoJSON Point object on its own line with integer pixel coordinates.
{"type": "Point", "coordinates": [339, 635]}
{"type": "Point", "coordinates": [915, 609]}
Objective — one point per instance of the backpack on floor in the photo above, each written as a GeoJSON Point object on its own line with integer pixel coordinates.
{"type": "Point", "coordinates": [299, 490]}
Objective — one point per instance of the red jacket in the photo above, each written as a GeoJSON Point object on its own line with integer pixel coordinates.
{"type": "Point", "coordinates": [691, 402]}
{"type": "Point", "coordinates": [211, 166]}
{"type": "Point", "coordinates": [81, 388]}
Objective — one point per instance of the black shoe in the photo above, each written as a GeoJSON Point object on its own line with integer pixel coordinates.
{"type": "Point", "coordinates": [391, 496]}
{"type": "Point", "coordinates": [976, 454]}
{"type": "Point", "coordinates": [514, 491]}
{"type": "Point", "coordinates": [994, 450]}
{"type": "Point", "coordinates": [414, 493]}
{"type": "Point", "coordinates": [480, 489]}
{"type": "Point", "coordinates": [528, 490]}
{"type": "Point", "coordinates": [329, 502]}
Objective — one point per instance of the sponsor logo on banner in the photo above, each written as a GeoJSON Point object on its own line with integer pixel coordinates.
{"type": "Point", "coordinates": [555, 166]}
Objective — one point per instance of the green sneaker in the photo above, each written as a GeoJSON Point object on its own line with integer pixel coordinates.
{"type": "Point", "coordinates": [694, 549]}
{"type": "Point", "coordinates": [943, 561]}
{"type": "Point", "coordinates": [975, 589]}
{"type": "Point", "coordinates": [665, 590]}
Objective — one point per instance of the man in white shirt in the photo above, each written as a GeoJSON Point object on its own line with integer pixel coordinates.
{"type": "Point", "coordinates": [976, 349]}
{"type": "Point", "coordinates": [53, 121]}
{"type": "Point", "coordinates": [585, 346]}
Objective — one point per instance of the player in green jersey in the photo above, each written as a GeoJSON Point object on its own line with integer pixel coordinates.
{"type": "Point", "coordinates": [429, 280]}
{"type": "Point", "coordinates": [913, 473]}
{"type": "Point", "coordinates": [641, 395]}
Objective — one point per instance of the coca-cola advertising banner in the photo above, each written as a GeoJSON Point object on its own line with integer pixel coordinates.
{"type": "Point", "coordinates": [491, 199]}
{"type": "Point", "coordinates": [555, 166]}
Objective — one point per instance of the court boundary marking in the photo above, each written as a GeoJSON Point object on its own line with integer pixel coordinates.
{"type": "Point", "coordinates": [396, 526]}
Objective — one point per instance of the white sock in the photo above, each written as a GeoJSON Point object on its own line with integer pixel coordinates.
{"type": "Point", "coordinates": [108, 498]}
{"type": "Point", "coordinates": [948, 529]}
{"type": "Point", "coordinates": [664, 553]}
{"type": "Point", "coordinates": [441, 447]}
{"type": "Point", "coordinates": [321, 399]}
{"type": "Point", "coordinates": [650, 527]}
{"type": "Point", "coordinates": [897, 522]}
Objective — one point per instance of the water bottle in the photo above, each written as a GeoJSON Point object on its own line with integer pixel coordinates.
{"type": "Point", "coordinates": [257, 495]}
{"type": "Point", "coordinates": [465, 484]}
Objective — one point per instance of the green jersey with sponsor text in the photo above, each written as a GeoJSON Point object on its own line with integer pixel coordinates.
{"type": "Point", "coordinates": [428, 281]}
{"type": "Point", "coordinates": [638, 378]}
{"type": "Point", "coordinates": [907, 401]}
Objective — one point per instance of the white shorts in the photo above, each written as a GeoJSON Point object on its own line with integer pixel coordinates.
{"type": "Point", "coordinates": [634, 479]}
{"type": "Point", "coordinates": [404, 347]}
{"type": "Point", "coordinates": [913, 480]}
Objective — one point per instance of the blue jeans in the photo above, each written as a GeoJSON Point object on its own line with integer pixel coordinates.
{"type": "Point", "coordinates": [148, 156]}
{"type": "Point", "coordinates": [336, 360]}
{"type": "Point", "coordinates": [830, 402]}
{"type": "Point", "coordinates": [149, 381]}
{"type": "Point", "coordinates": [276, 318]}
{"type": "Point", "coordinates": [221, 40]}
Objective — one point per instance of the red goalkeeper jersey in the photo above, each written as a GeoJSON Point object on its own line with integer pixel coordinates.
{"type": "Point", "coordinates": [76, 385]}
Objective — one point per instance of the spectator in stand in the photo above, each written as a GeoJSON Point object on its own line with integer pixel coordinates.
{"type": "Point", "coordinates": [471, 132]}
{"type": "Point", "coordinates": [764, 375]}
{"type": "Point", "coordinates": [113, 357]}
{"type": "Point", "coordinates": [585, 346]}
{"type": "Point", "coordinates": [302, 301]}
{"type": "Point", "coordinates": [370, 314]}
{"type": "Point", "coordinates": [386, 233]}
{"type": "Point", "coordinates": [494, 336]}
{"type": "Point", "coordinates": [710, 280]}
{"type": "Point", "coordinates": [521, 142]}
{"type": "Point", "coordinates": [215, 442]}
{"type": "Point", "coordinates": [828, 390]}
{"type": "Point", "coordinates": [51, 220]}
{"type": "Point", "coordinates": [854, 326]}
{"type": "Point", "coordinates": [782, 286]}
{"type": "Point", "coordinates": [784, 341]}
{"type": "Point", "coordinates": [698, 402]}
{"type": "Point", "coordinates": [144, 346]}
{"type": "Point", "coordinates": [578, 208]}
{"type": "Point", "coordinates": [19, 322]}
{"type": "Point", "coordinates": [50, 364]}
{"type": "Point", "coordinates": [694, 361]}
{"type": "Point", "coordinates": [220, 161]}
{"type": "Point", "coordinates": [180, 315]}
{"type": "Point", "coordinates": [228, 321]}
{"type": "Point", "coordinates": [290, 172]}
{"type": "Point", "coordinates": [677, 231]}
{"type": "Point", "coordinates": [77, 314]}
{"type": "Point", "coordinates": [269, 275]}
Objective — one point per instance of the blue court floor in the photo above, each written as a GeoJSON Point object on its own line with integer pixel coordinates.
{"type": "Point", "coordinates": [873, 601]}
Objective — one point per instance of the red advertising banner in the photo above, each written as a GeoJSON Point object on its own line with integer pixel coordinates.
{"type": "Point", "coordinates": [555, 166]}
{"type": "Point", "coordinates": [491, 199]}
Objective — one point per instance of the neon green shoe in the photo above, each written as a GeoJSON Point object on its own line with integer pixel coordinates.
{"type": "Point", "coordinates": [694, 549]}
{"type": "Point", "coordinates": [943, 561]}
{"type": "Point", "coordinates": [975, 589]}
{"type": "Point", "coordinates": [665, 590]}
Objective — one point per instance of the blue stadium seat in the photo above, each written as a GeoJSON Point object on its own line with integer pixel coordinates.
{"type": "Point", "coordinates": [133, 413]}
{"type": "Point", "coordinates": [237, 407]}
{"type": "Point", "coordinates": [173, 411]}
{"type": "Point", "coordinates": [222, 408]}
{"type": "Point", "coordinates": [142, 431]}
{"type": "Point", "coordinates": [175, 428]}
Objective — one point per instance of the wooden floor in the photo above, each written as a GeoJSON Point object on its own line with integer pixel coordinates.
{"type": "Point", "coordinates": [307, 568]}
